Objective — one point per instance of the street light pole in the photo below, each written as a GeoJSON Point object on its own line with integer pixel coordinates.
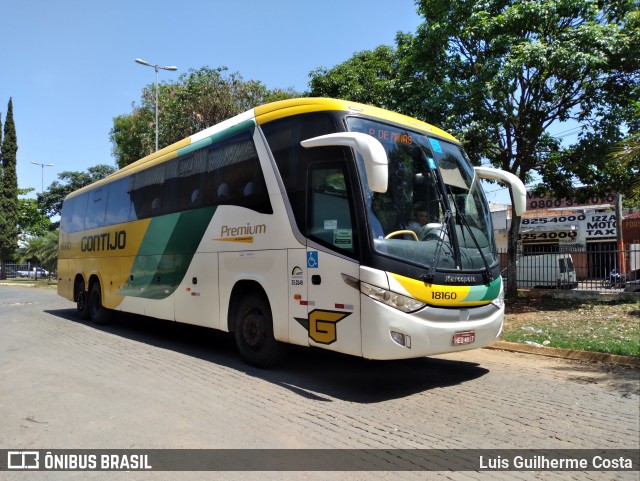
{"type": "Point", "coordinates": [35, 274]}
{"type": "Point", "coordinates": [43, 166]}
{"type": "Point", "coordinates": [156, 68]}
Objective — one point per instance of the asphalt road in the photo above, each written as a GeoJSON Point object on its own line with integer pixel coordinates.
{"type": "Point", "coordinates": [146, 384]}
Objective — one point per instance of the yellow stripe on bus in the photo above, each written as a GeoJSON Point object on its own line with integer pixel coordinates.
{"type": "Point", "coordinates": [105, 252]}
{"type": "Point", "coordinates": [435, 294]}
{"type": "Point", "coordinates": [285, 108]}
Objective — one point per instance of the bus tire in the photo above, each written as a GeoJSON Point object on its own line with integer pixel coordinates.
{"type": "Point", "coordinates": [99, 313]}
{"type": "Point", "coordinates": [253, 330]}
{"type": "Point", "coordinates": [82, 301]}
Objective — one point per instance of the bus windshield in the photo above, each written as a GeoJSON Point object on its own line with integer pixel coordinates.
{"type": "Point", "coordinates": [434, 213]}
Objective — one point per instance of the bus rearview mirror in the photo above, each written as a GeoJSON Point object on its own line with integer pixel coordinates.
{"type": "Point", "coordinates": [370, 149]}
{"type": "Point", "coordinates": [518, 192]}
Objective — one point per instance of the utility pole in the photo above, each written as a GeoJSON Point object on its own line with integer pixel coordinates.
{"type": "Point", "coordinates": [622, 268]}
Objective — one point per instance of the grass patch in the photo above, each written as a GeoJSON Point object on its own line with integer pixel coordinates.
{"type": "Point", "coordinates": [25, 281]}
{"type": "Point", "coordinates": [602, 326]}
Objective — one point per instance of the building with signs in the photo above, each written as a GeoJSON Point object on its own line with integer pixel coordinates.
{"type": "Point", "coordinates": [588, 230]}
{"type": "Point", "coordinates": [631, 228]}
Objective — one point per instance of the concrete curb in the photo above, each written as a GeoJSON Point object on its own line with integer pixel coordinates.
{"type": "Point", "coordinates": [578, 294]}
{"type": "Point", "coordinates": [568, 354]}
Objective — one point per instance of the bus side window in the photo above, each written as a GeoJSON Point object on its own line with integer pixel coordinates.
{"type": "Point", "coordinates": [283, 137]}
{"type": "Point", "coordinates": [79, 212]}
{"type": "Point", "coordinates": [183, 182]}
{"type": "Point", "coordinates": [148, 185]}
{"type": "Point", "coordinates": [234, 175]}
{"type": "Point", "coordinates": [118, 202]}
{"type": "Point", "coordinates": [66, 216]}
{"type": "Point", "coordinates": [96, 208]}
{"type": "Point", "coordinates": [192, 180]}
{"type": "Point", "coordinates": [330, 209]}
{"type": "Point", "coordinates": [254, 190]}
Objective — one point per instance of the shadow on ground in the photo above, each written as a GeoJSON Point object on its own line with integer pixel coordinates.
{"type": "Point", "coordinates": [311, 373]}
{"type": "Point", "coordinates": [623, 380]}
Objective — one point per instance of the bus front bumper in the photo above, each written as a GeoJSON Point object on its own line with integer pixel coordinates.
{"type": "Point", "coordinates": [388, 333]}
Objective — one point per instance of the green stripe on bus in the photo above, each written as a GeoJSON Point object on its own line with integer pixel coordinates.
{"type": "Point", "coordinates": [484, 293]}
{"type": "Point", "coordinates": [166, 252]}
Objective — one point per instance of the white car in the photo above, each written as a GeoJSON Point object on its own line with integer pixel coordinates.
{"type": "Point", "coordinates": [32, 273]}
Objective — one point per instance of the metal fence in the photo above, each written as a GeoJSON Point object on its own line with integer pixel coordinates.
{"type": "Point", "coordinates": [599, 267]}
{"type": "Point", "coordinates": [27, 270]}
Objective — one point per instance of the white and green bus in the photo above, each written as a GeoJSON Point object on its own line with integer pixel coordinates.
{"type": "Point", "coordinates": [314, 222]}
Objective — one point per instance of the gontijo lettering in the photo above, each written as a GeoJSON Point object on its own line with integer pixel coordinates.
{"type": "Point", "coordinates": [107, 241]}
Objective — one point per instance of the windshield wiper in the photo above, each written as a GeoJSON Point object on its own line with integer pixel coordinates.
{"type": "Point", "coordinates": [447, 224]}
{"type": "Point", "coordinates": [431, 270]}
{"type": "Point", "coordinates": [487, 276]}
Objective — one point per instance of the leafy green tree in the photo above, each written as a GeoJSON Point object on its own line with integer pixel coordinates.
{"type": "Point", "coordinates": [500, 73]}
{"type": "Point", "coordinates": [8, 191]}
{"type": "Point", "coordinates": [511, 69]}
{"type": "Point", "coordinates": [199, 99]}
{"type": "Point", "coordinates": [50, 201]}
{"type": "Point", "coordinates": [31, 222]}
{"type": "Point", "coordinates": [627, 155]}
{"type": "Point", "coordinates": [367, 77]}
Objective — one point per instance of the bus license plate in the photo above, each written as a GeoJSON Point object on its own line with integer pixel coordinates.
{"type": "Point", "coordinates": [462, 338]}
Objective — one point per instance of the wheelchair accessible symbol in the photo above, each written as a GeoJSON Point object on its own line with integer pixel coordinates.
{"type": "Point", "coordinates": [312, 259]}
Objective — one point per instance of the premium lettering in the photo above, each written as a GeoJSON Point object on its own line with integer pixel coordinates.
{"type": "Point", "coordinates": [226, 231]}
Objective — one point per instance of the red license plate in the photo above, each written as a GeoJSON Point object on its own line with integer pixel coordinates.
{"type": "Point", "coordinates": [462, 338]}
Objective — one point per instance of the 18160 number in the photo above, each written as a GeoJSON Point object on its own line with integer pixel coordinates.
{"type": "Point", "coordinates": [446, 296]}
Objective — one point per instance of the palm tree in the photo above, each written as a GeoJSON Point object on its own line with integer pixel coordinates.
{"type": "Point", "coordinates": [627, 152]}
{"type": "Point", "coordinates": [44, 248]}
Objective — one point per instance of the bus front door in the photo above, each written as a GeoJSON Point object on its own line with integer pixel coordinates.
{"type": "Point", "coordinates": [332, 275]}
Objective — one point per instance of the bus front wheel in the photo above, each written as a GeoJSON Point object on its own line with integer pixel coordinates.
{"type": "Point", "coordinates": [99, 313]}
{"type": "Point", "coordinates": [82, 301]}
{"type": "Point", "coordinates": [253, 330]}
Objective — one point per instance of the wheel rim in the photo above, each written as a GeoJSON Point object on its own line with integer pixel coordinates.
{"type": "Point", "coordinates": [94, 302]}
{"type": "Point", "coordinates": [253, 330]}
{"type": "Point", "coordinates": [81, 297]}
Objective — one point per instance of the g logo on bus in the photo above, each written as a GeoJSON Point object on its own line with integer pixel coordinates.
{"type": "Point", "coordinates": [321, 325]}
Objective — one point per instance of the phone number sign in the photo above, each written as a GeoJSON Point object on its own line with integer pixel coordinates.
{"type": "Point", "coordinates": [543, 202]}
{"type": "Point", "coordinates": [564, 228]}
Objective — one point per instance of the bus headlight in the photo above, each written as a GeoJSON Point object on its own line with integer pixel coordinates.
{"type": "Point", "coordinates": [499, 301]}
{"type": "Point", "coordinates": [393, 299]}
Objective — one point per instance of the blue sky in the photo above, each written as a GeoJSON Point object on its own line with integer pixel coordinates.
{"type": "Point", "coordinates": [70, 69]}
{"type": "Point", "coordinates": [69, 64]}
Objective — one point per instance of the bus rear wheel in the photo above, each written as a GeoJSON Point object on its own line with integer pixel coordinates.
{"type": "Point", "coordinates": [253, 330]}
{"type": "Point", "coordinates": [82, 300]}
{"type": "Point", "coordinates": [99, 313]}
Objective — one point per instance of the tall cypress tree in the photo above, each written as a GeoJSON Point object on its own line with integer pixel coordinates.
{"type": "Point", "coordinates": [3, 267]}
{"type": "Point", "coordinates": [8, 191]}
